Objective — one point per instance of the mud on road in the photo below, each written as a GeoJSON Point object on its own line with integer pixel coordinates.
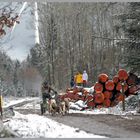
{"type": "Point", "coordinates": [113, 126]}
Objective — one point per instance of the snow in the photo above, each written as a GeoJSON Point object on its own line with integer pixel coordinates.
{"type": "Point", "coordinates": [34, 105]}
{"type": "Point", "coordinates": [131, 108]}
{"type": "Point", "coordinates": [90, 90]}
{"type": "Point", "coordinates": [75, 107]}
{"type": "Point", "coordinates": [117, 110]}
{"type": "Point", "coordinates": [13, 100]}
{"type": "Point", "coordinates": [78, 105]}
{"type": "Point", "coordinates": [113, 111]}
{"type": "Point", "coordinates": [35, 126]}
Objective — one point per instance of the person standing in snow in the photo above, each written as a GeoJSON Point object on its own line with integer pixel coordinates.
{"type": "Point", "coordinates": [72, 83]}
{"type": "Point", "coordinates": [47, 93]}
{"type": "Point", "coordinates": [78, 79]}
{"type": "Point", "coordinates": [45, 89]}
{"type": "Point", "coordinates": [85, 78]}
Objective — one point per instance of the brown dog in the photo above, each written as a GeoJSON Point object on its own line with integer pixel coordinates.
{"type": "Point", "coordinates": [54, 107]}
{"type": "Point", "coordinates": [67, 104]}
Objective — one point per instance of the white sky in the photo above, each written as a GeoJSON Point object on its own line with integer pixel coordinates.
{"type": "Point", "coordinates": [22, 38]}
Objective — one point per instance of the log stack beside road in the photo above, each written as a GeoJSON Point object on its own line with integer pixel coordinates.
{"type": "Point", "coordinates": [107, 92]}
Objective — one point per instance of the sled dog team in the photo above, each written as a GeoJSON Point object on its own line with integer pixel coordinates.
{"type": "Point", "coordinates": [61, 107]}
{"type": "Point", "coordinates": [53, 102]}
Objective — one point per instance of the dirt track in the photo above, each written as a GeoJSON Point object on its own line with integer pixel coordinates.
{"type": "Point", "coordinates": [105, 125]}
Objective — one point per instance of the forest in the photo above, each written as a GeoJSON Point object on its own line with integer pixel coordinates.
{"type": "Point", "coordinates": [96, 37]}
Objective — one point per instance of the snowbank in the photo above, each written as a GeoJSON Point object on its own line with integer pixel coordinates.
{"type": "Point", "coordinates": [131, 107]}
{"type": "Point", "coordinates": [35, 126]}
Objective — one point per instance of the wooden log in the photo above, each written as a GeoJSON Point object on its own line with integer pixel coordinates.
{"type": "Point", "coordinates": [99, 106]}
{"type": "Point", "coordinates": [119, 87]}
{"type": "Point", "coordinates": [132, 79]}
{"type": "Point", "coordinates": [85, 92]}
{"type": "Point", "coordinates": [98, 87]}
{"type": "Point", "coordinates": [70, 92]}
{"type": "Point", "coordinates": [90, 101]}
{"type": "Point", "coordinates": [114, 103]}
{"type": "Point", "coordinates": [91, 104]}
{"type": "Point", "coordinates": [132, 89]}
{"type": "Point", "coordinates": [71, 96]}
{"type": "Point", "coordinates": [89, 98]}
{"type": "Point", "coordinates": [119, 97]}
{"type": "Point", "coordinates": [107, 103]}
{"type": "Point", "coordinates": [107, 94]}
{"type": "Point", "coordinates": [115, 79]}
{"type": "Point", "coordinates": [75, 90]}
{"type": "Point", "coordinates": [109, 85]}
{"type": "Point", "coordinates": [123, 75]}
{"type": "Point", "coordinates": [76, 97]}
{"type": "Point", "coordinates": [98, 98]}
{"type": "Point", "coordinates": [82, 98]}
{"type": "Point", "coordinates": [102, 78]}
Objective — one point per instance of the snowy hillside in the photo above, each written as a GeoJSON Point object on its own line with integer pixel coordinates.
{"type": "Point", "coordinates": [20, 38]}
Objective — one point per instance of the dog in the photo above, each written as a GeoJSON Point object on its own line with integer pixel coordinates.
{"type": "Point", "coordinates": [56, 107]}
{"type": "Point", "coordinates": [52, 106]}
{"type": "Point", "coordinates": [67, 104]}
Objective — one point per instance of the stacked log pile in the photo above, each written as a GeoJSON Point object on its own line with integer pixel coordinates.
{"type": "Point", "coordinates": [107, 92]}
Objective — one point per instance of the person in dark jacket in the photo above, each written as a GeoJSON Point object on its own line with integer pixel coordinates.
{"type": "Point", "coordinates": [72, 83]}
{"type": "Point", "coordinates": [45, 89]}
{"type": "Point", "coordinates": [47, 93]}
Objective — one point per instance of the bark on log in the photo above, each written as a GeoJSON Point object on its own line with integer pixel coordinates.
{"type": "Point", "coordinates": [103, 78]}
{"type": "Point", "coordinates": [119, 87]}
{"type": "Point", "coordinates": [132, 89]}
{"type": "Point", "coordinates": [132, 79]}
{"type": "Point", "coordinates": [115, 79]}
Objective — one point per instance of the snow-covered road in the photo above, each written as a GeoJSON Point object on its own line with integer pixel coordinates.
{"type": "Point", "coordinates": [97, 121]}
{"type": "Point", "coordinates": [35, 126]}
{"type": "Point", "coordinates": [11, 101]}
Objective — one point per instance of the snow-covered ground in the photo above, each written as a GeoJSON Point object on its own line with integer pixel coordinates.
{"type": "Point", "coordinates": [77, 106]}
{"type": "Point", "coordinates": [34, 105]}
{"type": "Point", "coordinates": [116, 110]}
{"type": "Point", "coordinates": [35, 126]}
{"type": "Point", "coordinates": [8, 101]}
